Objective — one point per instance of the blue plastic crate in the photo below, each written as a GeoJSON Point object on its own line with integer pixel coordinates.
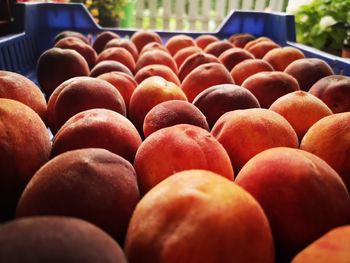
{"type": "Point", "coordinates": [41, 22]}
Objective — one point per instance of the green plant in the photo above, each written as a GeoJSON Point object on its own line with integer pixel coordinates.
{"type": "Point", "coordinates": [323, 24]}
{"type": "Point", "coordinates": [106, 12]}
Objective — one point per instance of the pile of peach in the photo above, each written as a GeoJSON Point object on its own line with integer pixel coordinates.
{"type": "Point", "coordinates": [193, 150]}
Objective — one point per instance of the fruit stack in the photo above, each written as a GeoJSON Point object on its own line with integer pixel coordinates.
{"type": "Point", "coordinates": [193, 150]}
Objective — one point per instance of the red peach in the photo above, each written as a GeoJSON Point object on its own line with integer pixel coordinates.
{"type": "Point", "coordinates": [247, 68]}
{"type": "Point", "coordinates": [245, 133]}
{"type": "Point", "coordinates": [270, 85]}
{"type": "Point", "coordinates": [290, 185]}
{"type": "Point", "coordinates": [203, 77]}
{"type": "Point", "coordinates": [184, 147]}
{"type": "Point", "coordinates": [219, 99]}
{"type": "Point", "coordinates": [172, 112]}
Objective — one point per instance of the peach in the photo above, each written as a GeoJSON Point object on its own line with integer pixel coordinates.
{"type": "Point", "coordinates": [142, 37]}
{"type": "Point", "coordinates": [247, 68]}
{"type": "Point", "coordinates": [69, 33]}
{"type": "Point", "coordinates": [56, 65]}
{"type": "Point", "coordinates": [105, 183]}
{"type": "Point", "coordinates": [56, 239]}
{"type": "Point", "coordinates": [301, 110]}
{"type": "Point", "coordinates": [218, 47]}
{"type": "Point", "coordinates": [152, 46]}
{"type": "Point", "coordinates": [83, 93]}
{"type": "Point", "coordinates": [172, 112]}
{"type": "Point", "coordinates": [193, 62]}
{"type": "Point", "coordinates": [148, 94]}
{"type": "Point", "coordinates": [25, 146]}
{"type": "Point", "coordinates": [119, 54]}
{"type": "Point", "coordinates": [17, 87]}
{"type": "Point", "coordinates": [123, 82]}
{"type": "Point", "coordinates": [198, 216]}
{"type": "Point", "coordinates": [156, 57]}
{"type": "Point", "coordinates": [184, 53]}
{"type": "Point", "coordinates": [281, 57]}
{"type": "Point", "coordinates": [334, 246]}
{"type": "Point", "coordinates": [334, 91]}
{"type": "Point", "coordinates": [269, 86]}
{"type": "Point", "coordinates": [307, 71]}
{"type": "Point", "coordinates": [102, 39]}
{"type": "Point", "coordinates": [245, 133]}
{"type": "Point", "coordinates": [257, 40]}
{"type": "Point", "coordinates": [98, 128]}
{"type": "Point", "coordinates": [81, 47]}
{"type": "Point", "coordinates": [241, 39]}
{"type": "Point", "coordinates": [329, 138]}
{"type": "Point", "coordinates": [233, 56]}
{"type": "Point", "coordinates": [204, 40]}
{"type": "Point", "coordinates": [184, 147]}
{"type": "Point", "coordinates": [203, 77]}
{"type": "Point", "coordinates": [124, 43]}
{"type": "Point", "coordinates": [157, 70]}
{"type": "Point", "coordinates": [109, 66]}
{"type": "Point", "coordinates": [178, 42]}
{"type": "Point", "coordinates": [260, 48]}
{"type": "Point", "coordinates": [217, 100]}
{"type": "Point", "coordinates": [290, 184]}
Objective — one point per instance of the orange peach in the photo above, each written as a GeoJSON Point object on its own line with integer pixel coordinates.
{"type": "Point", "coordinates": [301, 110]}
{"type": "Point", "coordinates": [25, 146]}
{"type": "Point", "coordinates": [193, 62]}
{"type": "Point", "coordinates": [123, 82]}
{"type": "Point", "coordinates": [102, 39]}
{"type": "Point", "coordinates": [81, 47]}
{"type": "Point", "coordinates": [260, 48]}
{"type": "Point", "coordinates": [233, 56]}
{"type": "Point", "coordinates": [302, 196]}
{"type": "Point", "coordinates": [69, 33]}
{"type": "Point", "coordinates": [329, 138]}
{"type": "Point", "coordinates": [157, 70]}
{"type": "Point", "coordinates": [307, 71]}
{"type": "Point", "coordinates": [334, 246]}
{"type": "Point", "coordinates": [247, 68]}
{"type": "Point", "coordinates": [83, 93]}
{"type": "Point", "coordinates": [269, 86]}
{"type": "Point", "coordinates": [281, 57]}
{"type": "Point", "coordinates": [184, 53]}
{"type": "Point", "coordinates": [98, 128]}
{"type": "Point", "coordinates": [218, 47]}
{"type": "Point", "coordinates": [257, 40]}
{"type": "Point", "coordinates": [119, 54]}
{"type": "Point", "coordinates": [109, 66]}
{"type": "Point", "coordinates": [152, 46]}
{"type": "Point", "coordinates": [203, 77]}
{"type": "Point", "coordinates": [204, 40]}
{"type": "Point", "coordinates": [124, 43]}
{"type": "Point", "coordinates": [105, 183]}
{"type": "Point", "coordinates": [245, 133]}
{"type": "Point", "coordinates": [184, 147]}
{"type": "Point", "coordinates": [178, 42]}
{"type": "Point", "coordinates": [217, 100]}
{"type": "Point", "coordinates": [56, 239]}
{"type": "Point", "coordinates": [56, 65]}
{"type": "Point", "coordinates": [334, 91]}
{"type": "Point", "coordinates": [198, 216]}
{"type": "Point", "coordinates": [142, 37]}
{"type": "Point", "coordinates": [241, 39]}
{"type": "Point", "coordinates": [148, 94]}
{"type": "Point", "coordinates": [156, 56]}
{"type": "Point", "coordinates": [172, 112]}
{"type": "Point", "coordinates": [17, 87]}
